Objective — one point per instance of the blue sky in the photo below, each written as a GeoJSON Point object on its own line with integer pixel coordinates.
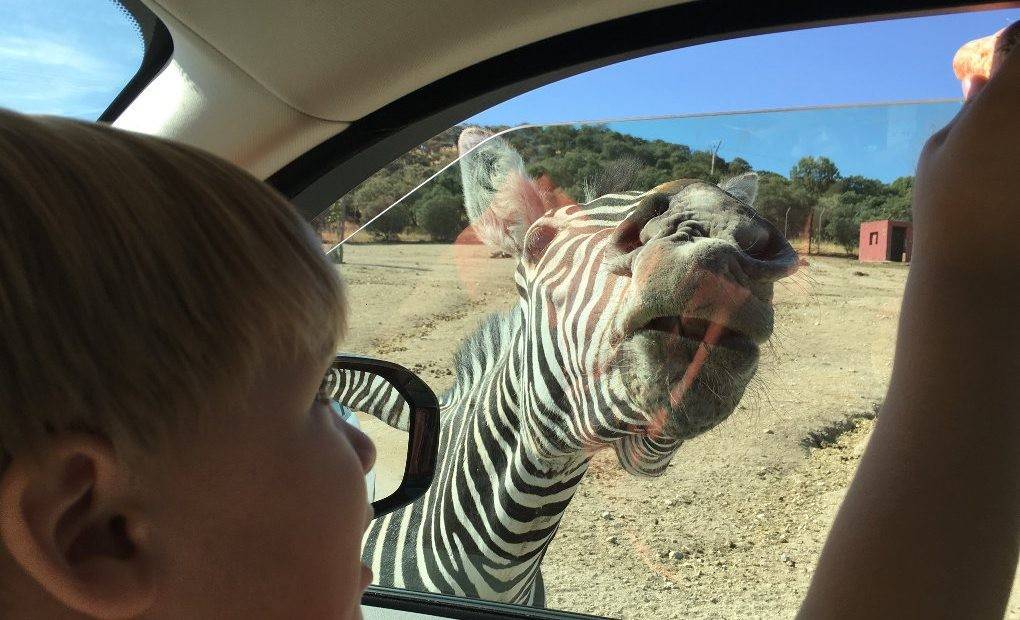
{"type": "Point", "coordinates": [896, 60]}
{"type": "Point", "coordinates": [881, 142]}
{"type": "Point", "coordinates": [65, 57]}
{"type": "Point", "coordinates": [71, 57]}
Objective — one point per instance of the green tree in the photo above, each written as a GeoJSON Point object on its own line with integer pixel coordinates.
{"type": "Point", "coordinates": [391, 222]}
{"type": "Point", "coordinates": [900, 204]}
{"type": "Point", "coordinates": [739, 165]}
{"type": "Point", "coordinates": [842, 219]}
{"type": "Point", "coordinates": [904, 186]}
{"type": "Point", "coordinates": [378, 192]}
{"type": "Point", "coordinates": [897, 208]}
{"type": "Point", "coordinates": [782, 203]}
{"type": "Point", "coordinates": [441, 216]}
{"type": "Point", "coordinates": [815, 174]}
{"type": "Point", "coordinates": [863, 186]}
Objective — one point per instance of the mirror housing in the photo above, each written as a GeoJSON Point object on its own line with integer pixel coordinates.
{"type": "Point", "coordinates": [422, 425]}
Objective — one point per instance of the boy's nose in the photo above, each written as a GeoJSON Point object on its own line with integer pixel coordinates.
{"type": "Point", "coordinates": [363, 446]}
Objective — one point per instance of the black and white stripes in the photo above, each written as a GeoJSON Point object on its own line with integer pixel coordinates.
{"type": "Point", "coordinates": [637, 327]}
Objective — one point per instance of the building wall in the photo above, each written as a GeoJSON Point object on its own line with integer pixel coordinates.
{"type": "Point", "coordinates": [876, 239]}
{"type": "Point", "coordinates": [874, 242]}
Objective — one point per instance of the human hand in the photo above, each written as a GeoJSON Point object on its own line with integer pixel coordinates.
{"type": "Point", "coordinates": [967, 188]}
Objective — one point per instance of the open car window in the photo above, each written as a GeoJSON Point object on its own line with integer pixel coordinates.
{"type": "Point", "coordinates": [654, 393]}
{"type": "Point", "coordinates": [74, 58]}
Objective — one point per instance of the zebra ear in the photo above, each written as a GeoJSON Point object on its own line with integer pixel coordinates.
{"type": "Point", "coordinates": [743, 187]}
{"type": "Point", "coordinates": [501, 200]}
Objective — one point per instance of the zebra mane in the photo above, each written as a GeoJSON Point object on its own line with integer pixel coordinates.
{"type": "Point", "coordinates": [615, 177]}
{"type": "Point", "coordinates": [485, 347]}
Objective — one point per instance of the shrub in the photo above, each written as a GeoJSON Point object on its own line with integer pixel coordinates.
{"type": "Point", "coordinates": [391, 223]}
{"type": "Point", "coordinates": [442, 217]}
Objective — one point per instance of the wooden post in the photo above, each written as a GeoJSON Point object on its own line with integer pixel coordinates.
{"type": "Point", "coordinates": [342, 228]}
{"type": "Point", "coordinates": [810, 229]}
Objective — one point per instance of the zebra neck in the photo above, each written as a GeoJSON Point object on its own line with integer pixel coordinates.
{"type": "Point", "coordinates": [523, 494]}
{"type": "Point", "coordinates": [494, 506]}
{"type": "Point", "coordinates": [484, 355]}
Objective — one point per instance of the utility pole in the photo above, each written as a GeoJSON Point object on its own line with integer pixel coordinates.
{"type": "Point", "coordinates": [342, 229]}
{"type": "Point", "coordinates": [715, 151]}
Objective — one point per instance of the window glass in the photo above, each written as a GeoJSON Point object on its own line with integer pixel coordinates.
{"type": "Point", "coordinates": [656, 392]}
{"type": "Point", "coordinates": [66, 57]}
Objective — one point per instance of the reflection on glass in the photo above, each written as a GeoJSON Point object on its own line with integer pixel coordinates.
{"type": "Point", "coordinates": [374, 405]}
{"type": "Point", "coordinates": [391, 454]}
{"type": "Point", "coordinates": [657, 397]}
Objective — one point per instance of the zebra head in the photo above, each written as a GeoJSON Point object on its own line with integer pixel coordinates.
{"type": "Point", "coordinates": [643, 312]}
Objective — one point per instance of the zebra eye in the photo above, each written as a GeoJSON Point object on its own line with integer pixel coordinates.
{"type": "Point", "coordinates": [537, 241]}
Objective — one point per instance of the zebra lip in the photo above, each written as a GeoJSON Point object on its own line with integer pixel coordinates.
{"type": "Point", "coordinates": [699, 330]}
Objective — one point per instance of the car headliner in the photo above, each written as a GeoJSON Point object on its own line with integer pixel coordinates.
{"type": "Point", "coordinates": [261, 82]}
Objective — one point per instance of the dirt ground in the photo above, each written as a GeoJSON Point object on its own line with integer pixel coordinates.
{"type": "Point", "coordinates": [735, 525]}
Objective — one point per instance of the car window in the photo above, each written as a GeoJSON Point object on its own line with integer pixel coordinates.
{"type": "Point", "coordinates": [654, 392]}
{"type": "Point", "coordinates": [67, 57]}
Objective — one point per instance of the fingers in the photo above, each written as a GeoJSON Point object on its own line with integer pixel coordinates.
{"type": "Point", "coordinates": [972, 86]}
{"type": "Point", "coordinates": [990, 103]}
{"type": "Point", "coordinates": [1006, 43]}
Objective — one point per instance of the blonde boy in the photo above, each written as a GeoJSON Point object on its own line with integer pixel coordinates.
{"type": "Point", "coordinates": [167, 320]}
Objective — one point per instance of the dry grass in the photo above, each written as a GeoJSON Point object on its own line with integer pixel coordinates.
{"type": "Point", "coordinates": [825, 248]}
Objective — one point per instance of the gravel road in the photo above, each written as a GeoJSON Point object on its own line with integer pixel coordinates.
{"type": "Point", "coordinates": [734, 527]}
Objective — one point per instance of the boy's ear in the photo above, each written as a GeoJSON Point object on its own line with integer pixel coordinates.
{"type": "Point", "coordinates": [66, 519]}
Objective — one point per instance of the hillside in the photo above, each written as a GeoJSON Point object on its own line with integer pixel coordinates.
{"type": "Point", "coordinates": [571, 156]}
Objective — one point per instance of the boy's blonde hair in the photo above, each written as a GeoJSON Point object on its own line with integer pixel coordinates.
{"type": "Point", "coordinates": [141, 280]}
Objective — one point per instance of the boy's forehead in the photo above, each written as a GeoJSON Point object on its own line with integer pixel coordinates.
{"type": "Point", "coordinates": [313, 237]}
{"type": "Point", "coordinates": [330, 347]}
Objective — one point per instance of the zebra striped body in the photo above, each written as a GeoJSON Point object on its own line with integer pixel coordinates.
{"type": "Point", "coordinates": [637, 328]}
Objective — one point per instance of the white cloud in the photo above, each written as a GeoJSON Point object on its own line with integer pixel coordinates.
{"type": "Point", "coordinates": [44, 76]}
{"type": "Point", "coordinates": [51, 54]}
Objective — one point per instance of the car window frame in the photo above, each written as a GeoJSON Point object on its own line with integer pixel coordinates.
{"type": "Point", "coordinates": [461, 608]}
{"type": "Point", "coordinates": [159, 49]}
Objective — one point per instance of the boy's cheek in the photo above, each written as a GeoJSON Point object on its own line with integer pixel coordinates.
{"type": "Point", "coordinates": [263, 518]}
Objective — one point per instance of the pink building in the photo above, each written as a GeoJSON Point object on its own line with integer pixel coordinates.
{"type": "Point", "coordinates": [885, 240]}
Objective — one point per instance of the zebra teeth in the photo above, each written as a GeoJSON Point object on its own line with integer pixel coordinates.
{"type": "Point", "coordinates": [700, 329]}
{"type": "Point", "coordinates": [693, 328]}
{"type": "Point", "coordinates": [667, 324]}
{"type": "Point", "coordinates": [708, 331]}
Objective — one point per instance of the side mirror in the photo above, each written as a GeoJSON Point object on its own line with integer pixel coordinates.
{"type": "Point", "coordinates": [394, 407]}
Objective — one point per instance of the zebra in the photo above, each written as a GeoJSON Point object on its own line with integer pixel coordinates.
{"type": "Point", "coordinates": [638, 326]}
{"type": "Point", "coordinates": [364, 391]}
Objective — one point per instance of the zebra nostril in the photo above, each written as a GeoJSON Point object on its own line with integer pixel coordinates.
{"type": "Point", "coordinates": [764, 255]}
{"type": "Point", "coordinates": [758, 240]}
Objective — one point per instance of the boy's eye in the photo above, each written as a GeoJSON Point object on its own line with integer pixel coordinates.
{"type": "Point", "coordinates": [329, 385]}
